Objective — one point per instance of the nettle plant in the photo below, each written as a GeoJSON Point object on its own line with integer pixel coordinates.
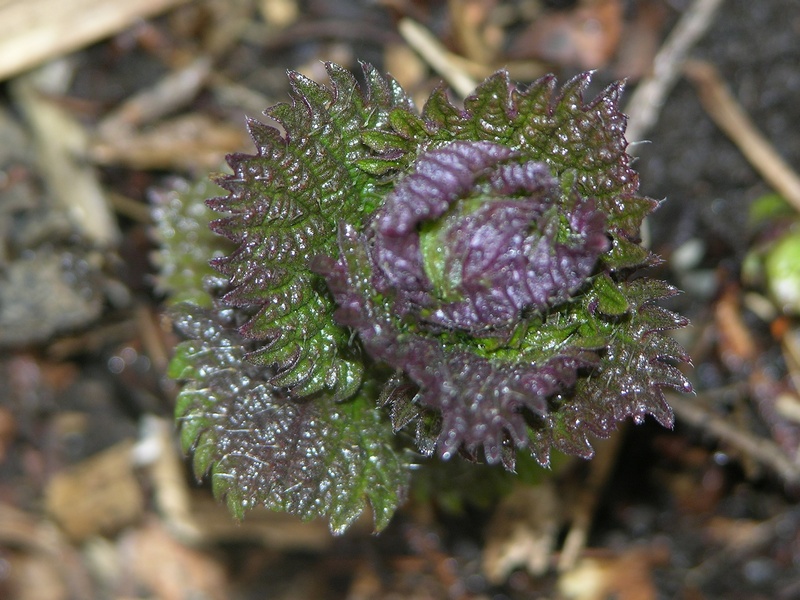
{"type": "Point", "coordinates": [459, 277]}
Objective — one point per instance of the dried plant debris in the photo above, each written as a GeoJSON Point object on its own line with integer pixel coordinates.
{"type": "Point", "coordinates": [49, 284]}
{"type": "Point", "coordinates": [469, 268]}
{"type": "Point", "coordinates": [46, 293]}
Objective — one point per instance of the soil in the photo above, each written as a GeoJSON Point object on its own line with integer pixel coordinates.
{"type": "Point", "coordinates": [95, 499]}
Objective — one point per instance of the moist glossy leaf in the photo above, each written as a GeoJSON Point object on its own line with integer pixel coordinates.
{"type": "Point", "coordinates": [560, 129]}
{"type": "Point", "coordinates": [475, 263]}
{"type": "Point", "coordinates": [282, 209]}
{"type": "Point", "coordinates": [489, 264]}
{"type": "Point", "coordinates": [638, 362]}
{"type": "Point", "coordinates": [472, 262]}
{"type": "Point", "coordinates": [313, 457]}
{"type": "Point", "coordinates": [610, 300]}
{"type": "Point", "coordinates": [481, 399]}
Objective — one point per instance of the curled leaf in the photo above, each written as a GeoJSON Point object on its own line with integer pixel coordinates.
{"type": "Point", "coordinates": [467, 267]}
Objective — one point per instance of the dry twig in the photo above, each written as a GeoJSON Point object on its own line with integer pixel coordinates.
{"type": "Point", "coordinates": [731, 118]}
{"type": "Point", "coordinates": [444, 62]}
{"type": "Point", "coordinates": [63, 146]}
{"type": "Point", "coordinates": [646, 102]}
{"type": "Point", "coordinates": [761, 449]}
{"type": "Point", "coordinates": [33, 31]}
{"type": "Point", "coordinates": [168, 95]}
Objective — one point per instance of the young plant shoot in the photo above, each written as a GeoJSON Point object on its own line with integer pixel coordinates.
{"type": "Point", "coordinates": [459, 277]}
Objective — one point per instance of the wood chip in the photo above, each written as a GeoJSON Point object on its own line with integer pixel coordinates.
{"type": "Point", "coordinates": [158, 451]}
{"type": "Point", "coordinates": [34, 31]}
{"type": "Point", "coordinates": [62, 142]}
{"type": "Point", "coordinates": [168, 569]}
{"type": "Point", "coordinates": [624, 577]}
{"type": "Point", "coordinates": [586, 37]}
{"type": "Point", "coordinates": [523, 532]}
{"type": "Point", "coordinates": [737, 347]}
{"type": "Point", "coordinates": [37, 562]}
{"type": "Point", "coordinates": [100, 495]}
{"type": "Point", "coordinates": [192, 142]}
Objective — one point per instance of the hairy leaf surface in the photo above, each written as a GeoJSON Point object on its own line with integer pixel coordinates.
{"type": "Point", "coordinates": [186, 242]}
{"type": "Point", "coordinates": [312, 457]}
{"type": "Point", "coordinates": [468, 267]}
{"type": "Point", "coordinates": [282, 209]}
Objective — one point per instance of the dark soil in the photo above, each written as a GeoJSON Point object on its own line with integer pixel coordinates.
{"type": "Point", "coordinates": [84, 345]}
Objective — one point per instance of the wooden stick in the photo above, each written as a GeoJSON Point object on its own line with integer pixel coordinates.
{"type": "Point", "coordinates": [646, 102]}
{"type": "Point", "coordinates": [437, 56]}
{"type": "Point", "coordinates": [74, 183]}
{"type": "Point", "coordinates": [731, 118]}
{"type": "Point", "coordinates": [761, 449]}
{"type": "Point", "coordinates": [34, 31]}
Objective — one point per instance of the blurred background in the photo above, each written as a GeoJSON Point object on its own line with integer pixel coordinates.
{"type": "Point", "coordinates": [104, 103]}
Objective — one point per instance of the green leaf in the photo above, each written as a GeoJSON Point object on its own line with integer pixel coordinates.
{"type": "Point", "coordinates": [309, 457]}
{"type": "Point", "coordinates": [782, 270]}
{"type": "Point", "coordinates": [769, 208]}
{"type": "Point", "coordinates": [186, 244]}
{"type": "Point", "coordinates": [281, 211]}
{"type": "Point", "coordinates": [610, 300]}
{"type": "Point", "coordinates": [556, 127]}
{"type": "Point", "coordinates": [512, 326]}
{"type": "Point", "coordinates": [635, 367]}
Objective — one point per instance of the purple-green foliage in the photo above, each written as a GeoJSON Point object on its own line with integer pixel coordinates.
{"type": "Point", "coordinates": [469, 268]}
